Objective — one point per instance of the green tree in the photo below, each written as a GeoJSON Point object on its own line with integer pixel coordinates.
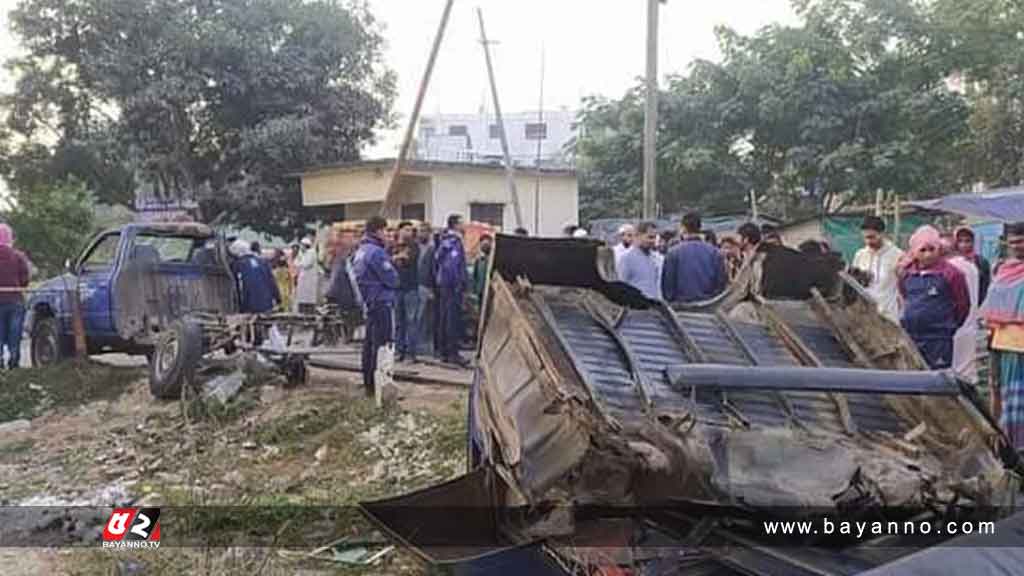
{"type": "Point", "coordinates": [51, 223]}
{"type": "Point", "coordinates": [982, 43]}
{"type": "Point", "coordinates": [851, 100]}
{"type": "Point", "coordinates": [213, 100]}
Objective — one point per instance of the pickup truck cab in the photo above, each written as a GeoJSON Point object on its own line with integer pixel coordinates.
{"type": "Point", "coordinates": [132, 283]}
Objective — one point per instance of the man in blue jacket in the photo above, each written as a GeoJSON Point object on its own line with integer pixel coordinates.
{"type": "Point", "coordinates": [694, 270]}
{"type": "Point", "coordinates": [378, 281]}
{"type": "Point", "coordinates": [451, 278]}
{"type": "Point", "coordinates": [257, 290]}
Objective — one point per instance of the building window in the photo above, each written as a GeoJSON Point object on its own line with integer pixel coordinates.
{"type": "Point", "coordinates": [458, 130]}
{"type": "Point", "coordinates": [414, 212]}
{"type": "Point", "coordinates": [427, 132]}
{"type": "Point", "coordinates": [327, 213]}
{"type": "Point", "coordinates": [536, 131]}
{"type": "Point", "coordinates": [494, 131]}
{"type": "Point", "coordinates": [493, 214]}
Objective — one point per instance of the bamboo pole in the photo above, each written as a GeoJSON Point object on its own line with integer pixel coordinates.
{"type": "Point", "coordinates": [387, 207]}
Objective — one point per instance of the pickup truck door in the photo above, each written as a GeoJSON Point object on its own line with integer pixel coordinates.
{"type": "Point", "coordinates": [94, 271]}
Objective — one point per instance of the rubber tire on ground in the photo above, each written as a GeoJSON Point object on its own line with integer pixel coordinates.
{"type": "Point", "coordinates": [295, 372]}
{"type": "Point", "coordinates": [174, 358]}
{"type": "Point", "coordinates": [47, 328]}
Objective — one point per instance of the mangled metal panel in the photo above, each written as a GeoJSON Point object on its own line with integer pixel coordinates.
{"type": "Point", "coordinates": [606, 398]}
{"type": "Point", "coordinates": [589, 395]}
{"type": "Point", "coordinates": [149, 293]}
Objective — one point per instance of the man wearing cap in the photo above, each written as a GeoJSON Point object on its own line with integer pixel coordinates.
{"type": "Point", "coordinates": [627, 234]}
{"type": "Point", "coordinates": [880, 260]}
{"type": "Point", "coordinates": [452, 279]}
{"type": "Point", "coordinates": [378, 284]}
{"type": "Point", "coordinates": [257, 289]}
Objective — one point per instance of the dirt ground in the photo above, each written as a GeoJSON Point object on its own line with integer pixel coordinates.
{"type": "Point", "coordinates": [322, 444]}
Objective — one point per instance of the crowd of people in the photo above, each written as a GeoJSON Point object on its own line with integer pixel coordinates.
{"type": "Point", "coordinates": [413, 284]}
{"type": "Point", "coordinates": [694, 265]}
{"type": "Point", "coordinates": [409, 283]}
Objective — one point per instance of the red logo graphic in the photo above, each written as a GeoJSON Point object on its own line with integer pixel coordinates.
{"type": "Point", "coordinates": [130, 525]}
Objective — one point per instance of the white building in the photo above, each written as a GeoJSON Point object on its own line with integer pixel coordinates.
{"type": "Point", "coordinates": [549, 198]}
{"type": "Point", "coordinates": [475, 138]}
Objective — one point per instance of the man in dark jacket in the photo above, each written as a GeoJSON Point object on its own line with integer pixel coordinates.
{"type": "Point", "coordinates": [481, 268]}
{"type": "Point", "coordinates": [450, 275]}
{"type": "Point", "coordinates": [406, 258]}
{"type": "Point", "coordinates": [378, 281]}
{"type": "Point", "coordinates": [694, 269]}
{"type": "Point", "coordinates": [257, 290]}
{"type": "Point", "coordinates": [428, 302]}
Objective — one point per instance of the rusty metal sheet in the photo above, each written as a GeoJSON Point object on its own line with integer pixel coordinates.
{"type": "Point", "coordinates": [613, 357]}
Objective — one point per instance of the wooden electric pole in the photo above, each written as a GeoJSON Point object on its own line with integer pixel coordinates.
{"type": "Point", "coordinates": [510, 177]}
{"type": "Point", "coordinates": [651, 114]}
{"type": "Point", "coordinates": [387, 207]}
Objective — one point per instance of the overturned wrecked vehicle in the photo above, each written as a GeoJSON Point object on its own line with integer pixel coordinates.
{"type": "Point", "coordinates": [607, 429]}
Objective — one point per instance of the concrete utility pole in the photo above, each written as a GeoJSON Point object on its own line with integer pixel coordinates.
{"type": "Point", "coordinates": [651, 114]}
{"type": "Point", "coordinates": [387, 207]}
{"type": "Point", "coordinates": [540, 148]}
{"type": "Point", "coordinates": [510, 177]}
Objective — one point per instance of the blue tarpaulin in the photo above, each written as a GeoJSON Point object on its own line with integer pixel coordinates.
{"type": "Point", "coordinates": [1003, 204]}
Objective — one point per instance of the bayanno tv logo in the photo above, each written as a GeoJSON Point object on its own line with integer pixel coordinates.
{"type": "Point", "coordinates": [132, 528]}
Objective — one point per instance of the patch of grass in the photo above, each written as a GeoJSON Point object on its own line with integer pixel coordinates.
{"type": "Point", "coordinates": [28, 392]}
{"type": "Point", "coordinates": [15, 449]}
{"type": "Point", "coordinates": [316, 420]}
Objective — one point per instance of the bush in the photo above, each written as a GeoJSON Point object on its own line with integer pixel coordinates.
{"type": "Point", "coordinates": [51, 222]}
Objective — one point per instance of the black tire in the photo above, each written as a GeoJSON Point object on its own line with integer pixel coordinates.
{"type": "Point", "coordinates": [48, 346]}
{"type": "Point", "coordinates": [295, 372]}
{"type": "Point", "coordinates": [174, 358]}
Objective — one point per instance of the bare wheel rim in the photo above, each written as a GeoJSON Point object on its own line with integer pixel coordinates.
{"type": "Point", "coordinates": [166, 354]}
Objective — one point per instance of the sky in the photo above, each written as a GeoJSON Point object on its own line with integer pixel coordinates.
{"type": "Point", "coordinates": [589, 47]}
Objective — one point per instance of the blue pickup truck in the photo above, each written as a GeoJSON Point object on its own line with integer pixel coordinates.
{"type": "Point", "coordinates": [133, 283]}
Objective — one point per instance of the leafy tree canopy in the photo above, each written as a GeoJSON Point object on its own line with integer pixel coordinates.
{"type": "Point", "coordinates": [213, 100]}
{"type": "Point", "coordinates": [851, 100]}
{"type": "Point", "coordinates": [49, 221]}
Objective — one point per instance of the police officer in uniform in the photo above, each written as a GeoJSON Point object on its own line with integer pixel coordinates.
{"type": "Point", "coordinates": [378, 281]}
{"type": "Point", "coordinates": [452, 279]}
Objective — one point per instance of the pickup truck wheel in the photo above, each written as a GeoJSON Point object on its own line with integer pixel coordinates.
{"type": "Point", "coordinates": [47, 346]}
{"type": "Point", "coordinates": [174, 358]}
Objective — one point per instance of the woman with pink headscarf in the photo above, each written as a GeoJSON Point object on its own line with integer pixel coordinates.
{"type": "Point", "coordinates": [14, 275]}
{"type": "Point", "coordinates": [936, 301]}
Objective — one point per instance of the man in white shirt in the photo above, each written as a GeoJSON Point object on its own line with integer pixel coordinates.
{"type": "Point", "coordinates": [640, 266]}
{"type": "Point", "coordinates": [627, 234]}
{"type": "Point", "coordinates": [880, 259]}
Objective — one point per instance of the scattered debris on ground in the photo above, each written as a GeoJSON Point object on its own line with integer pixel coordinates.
{"type": "Point", "coordinates": [270, 448]}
